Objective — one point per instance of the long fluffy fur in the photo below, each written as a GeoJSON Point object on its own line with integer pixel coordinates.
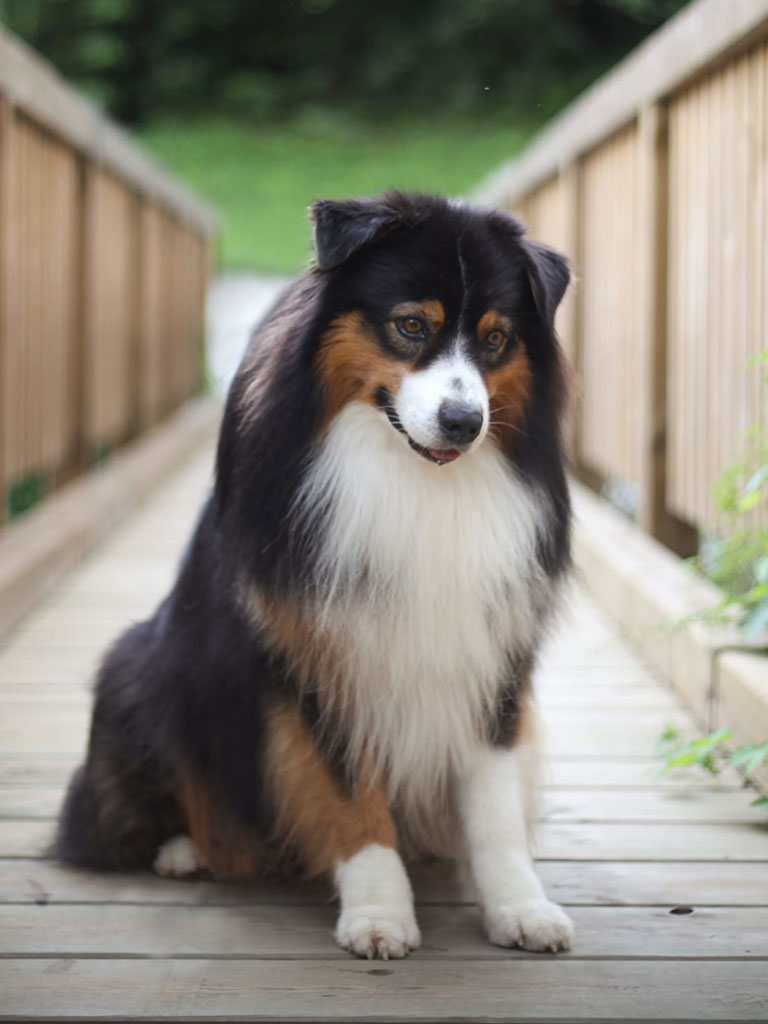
{"type": "Point", "coordinates": [428, 583]}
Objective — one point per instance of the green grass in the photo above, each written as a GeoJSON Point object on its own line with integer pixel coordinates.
{"type": "Point", "coordinates": [262, 177]}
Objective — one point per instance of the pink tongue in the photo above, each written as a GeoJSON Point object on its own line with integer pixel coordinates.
{"type": "Point", "coordinates": [445, 456]}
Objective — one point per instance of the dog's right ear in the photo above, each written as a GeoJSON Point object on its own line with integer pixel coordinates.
{"type": "Point", "coordinates": [344, 226]}
{"type": "Point", "coordinates": [549, 275]}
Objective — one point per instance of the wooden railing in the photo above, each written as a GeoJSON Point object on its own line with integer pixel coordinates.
{"type": "Point", "coordinates": [104, 260]}
{"type": "Point", "coordinates": [655, 182]}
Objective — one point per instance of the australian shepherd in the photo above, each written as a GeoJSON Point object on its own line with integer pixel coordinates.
{"type": "Point", "coordinates": [340, 678]}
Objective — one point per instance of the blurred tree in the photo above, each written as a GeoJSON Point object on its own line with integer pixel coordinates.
{"type": "Point", "coordinates": [517, 58]}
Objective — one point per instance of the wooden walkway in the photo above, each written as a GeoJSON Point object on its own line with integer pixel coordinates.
{"type": "Point", "coordinates": [667, 882]}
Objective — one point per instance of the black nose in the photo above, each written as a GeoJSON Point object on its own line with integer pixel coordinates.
{"type": "Point", "coordinates": [460, 423]}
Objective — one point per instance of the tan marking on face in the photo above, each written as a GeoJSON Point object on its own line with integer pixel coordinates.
{"type": "Point", "coordinates": [491, 321]}
{"type": "Point", "coordinates": [314, 817]}
{"type": "Point", "coordinates": [230, 847]}
{"type": "Point", "coordinates": [509, 388]}
{"type": "Point", "coordinates": [430, 310]}
{"type": "Point", "coordinates": [352, 365]}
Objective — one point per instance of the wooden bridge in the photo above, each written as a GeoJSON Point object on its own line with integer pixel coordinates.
{"type": "Point", "coordinates": [666, 878]}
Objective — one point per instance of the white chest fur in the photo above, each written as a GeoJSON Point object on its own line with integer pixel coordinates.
{"type": "Point", "coordinates": [430, 584]}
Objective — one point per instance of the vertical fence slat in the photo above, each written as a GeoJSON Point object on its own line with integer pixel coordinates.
{"type": "Point", "coordinates": [611, 362]}
{"type": "Point", "coordinates": [7, 126]}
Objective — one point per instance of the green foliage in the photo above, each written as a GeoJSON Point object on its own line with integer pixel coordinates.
{"type": "Point", "coordinates": [713, 754]}
{"type": "Point", "coordinates": [738, 561]}
{"type": "Point", "coordinates": [514, 59]}
{"type": "Point", "coordinates": [25, 494]}
{"type": "Point", "coordinates": [262, 178]}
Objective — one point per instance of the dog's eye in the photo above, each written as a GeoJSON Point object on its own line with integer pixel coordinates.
{"type": "Point", "coordinates": [495, 340]}
{"type": "Point", "coordinates": [411, 327]}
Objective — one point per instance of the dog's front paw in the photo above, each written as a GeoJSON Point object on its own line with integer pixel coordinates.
{"type": "Point", "coordinates": [179, 858]}
{"type": "Point", "coordinates": [537, 925]}
{"type": "Point", "coordinates": [377, 931]}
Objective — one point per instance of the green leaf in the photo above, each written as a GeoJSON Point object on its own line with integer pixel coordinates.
{"type": "Point", "coordinates": [756, 481]}
{"type": "Point", "coordinates": [753, 624]}
{"type": "Point", "coordinates": [749, 757]}
{"type": "Point", "coordinates": [679, 761]}
{"type": "Point", "coordinates": [762, 801]}
{"type": "Point", "coordinates": [669, 734]}
{"type": "Point", "coordinates": [749, 501]}
{"type": "Point", "coordinates": [712, 740]}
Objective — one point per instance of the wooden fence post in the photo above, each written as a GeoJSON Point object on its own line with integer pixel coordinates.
{"type": "Point", "coordinates": [569, 325]}
{"type": "Point", "coordinates": [7, 119]}
{"type": "Point", "coordinates": [653, 513]}
{"type": "Point", "coordinates": [84, 284]}
{"type": "Point", "coordinates": [652, 309]}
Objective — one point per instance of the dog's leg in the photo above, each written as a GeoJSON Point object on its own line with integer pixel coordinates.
{"type": "Point", "coordinates": [377, 916]}
{"type": "Point", "coordinates": [493, 813]}
{"type": "Point", "coordinates": [349, 835]}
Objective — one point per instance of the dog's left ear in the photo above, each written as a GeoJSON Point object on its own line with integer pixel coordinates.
{"type": "Point", "coordinates": [549, 274]}
{"type": "Point", "coordinates": [344, 226]}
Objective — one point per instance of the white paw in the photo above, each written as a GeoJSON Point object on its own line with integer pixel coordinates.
{"type": "Point", "coordinates": [537, 925]}
{"type": "Point", "coordinates": [377, 931]}
{"type": "Point", "coordinates": [179, 858]}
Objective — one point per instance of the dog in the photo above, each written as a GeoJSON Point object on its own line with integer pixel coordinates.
{"type": "Point", "coordinates": [340, 678]}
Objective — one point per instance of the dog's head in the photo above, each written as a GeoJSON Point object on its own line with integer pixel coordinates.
{"type": "Point", "coordinates": [438, 314]}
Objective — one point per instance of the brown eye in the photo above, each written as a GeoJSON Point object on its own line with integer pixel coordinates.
{"type": "Point", "coordinates": [494, 341]}
{"type": "Point", "coordinates": [411, 327]}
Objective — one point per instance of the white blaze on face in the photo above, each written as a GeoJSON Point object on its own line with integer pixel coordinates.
{"type": "Point", "coordinates": [451, 378]}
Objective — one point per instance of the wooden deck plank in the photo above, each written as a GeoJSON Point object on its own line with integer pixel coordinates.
{"type": "Point", "coordinates": [625, 773]}
{"type": "Point", "coordinates": [680, 841]}
{"type": "Point", "coordinates": [564, 696]}
{"type": "Point", "coordinates": [651, 805]}
{"type": "Point", "coordinates": [409, 990]}
{"type": "Point", "coordinates": [605, 734]}
{"type": "Point", "coordinates": [282, 932]}
{"type": "Point", "coordinates": [25, 769]}
{"type": "Point", "coordinates": [587, 883]}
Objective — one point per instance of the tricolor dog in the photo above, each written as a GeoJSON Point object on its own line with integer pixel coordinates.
{"type": "Point", "coordinates": [340, 678]}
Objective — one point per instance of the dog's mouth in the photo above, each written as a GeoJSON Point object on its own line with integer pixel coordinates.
{"type": "Point", "coordinates": [440, 456]}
